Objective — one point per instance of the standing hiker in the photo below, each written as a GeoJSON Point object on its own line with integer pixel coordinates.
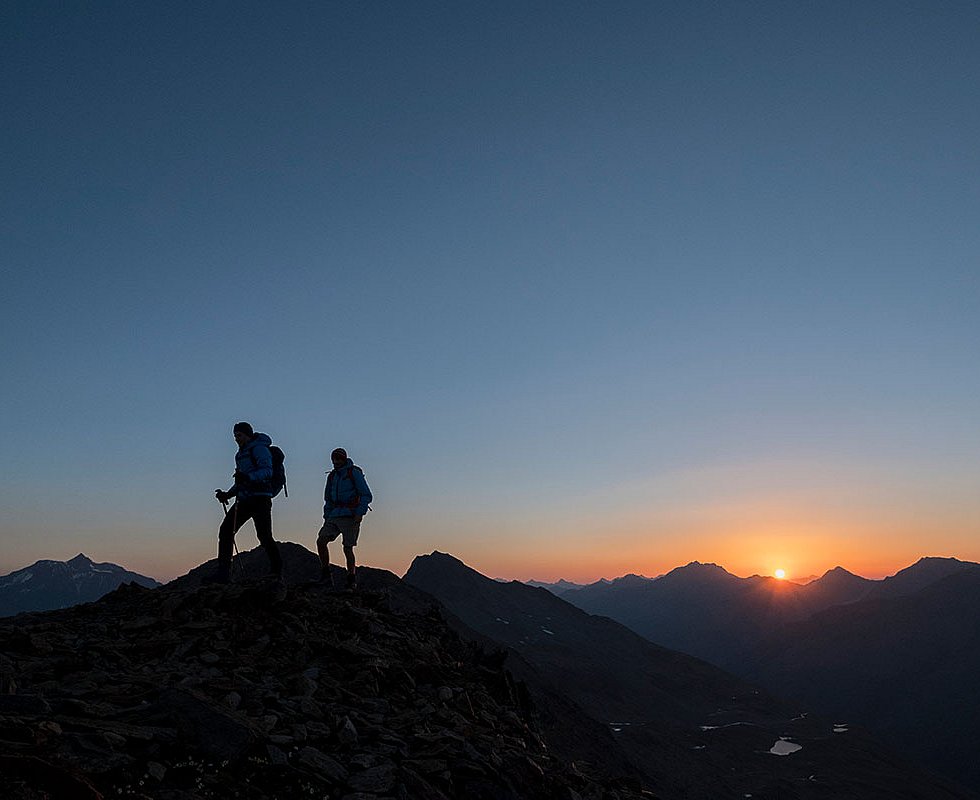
{"type": "Point", "coordinates": [345, 502]}
{"type": "Point", "coordinates": [253, 491]}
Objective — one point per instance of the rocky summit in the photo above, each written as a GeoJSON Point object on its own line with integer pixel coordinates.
{"type": "Point", "coordinates": [260, 690]}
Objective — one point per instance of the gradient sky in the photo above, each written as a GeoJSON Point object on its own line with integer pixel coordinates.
{"type": "Point", "coordinates": [586, 288]}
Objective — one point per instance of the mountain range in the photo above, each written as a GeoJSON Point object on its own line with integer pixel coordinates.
{"type": "Point", "coordinates": [693, 729]}
{"type": "Point", "coordinates": [703, 610]}
{"type": "Point", "coordinates": [898, 655]}
{"type": "Point", "coordinates": [47, 584]}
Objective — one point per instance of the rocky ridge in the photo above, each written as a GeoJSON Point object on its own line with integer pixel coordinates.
{"type": "Point", "coordinates": [258, 690]}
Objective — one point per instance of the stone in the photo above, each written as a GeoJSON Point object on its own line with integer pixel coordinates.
{"type": "Point", "coordinates": [347, 733]}
{"type": "Point", "coordinates": [276, 756]}
{"type": "Point", "coordinates": [376, 780]}
{"type": "Point", "coordinates": [156, 770]}
{"type": "Point", "coordinates": [23, 704]}
{"type": "Point", "coordinates": [322, 764]}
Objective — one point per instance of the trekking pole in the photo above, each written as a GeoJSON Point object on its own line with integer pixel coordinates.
{"type": "Point", "coordinates": [234, 532]}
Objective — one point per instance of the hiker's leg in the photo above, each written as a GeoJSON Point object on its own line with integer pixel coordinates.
{"type": "Point", "coordinates": [262, 515]}
{"type": "Point", "coordinates": [328, 533]}
{"type": "Point", "coordinates": [234, 518]}
{"type": "Point", "coordinates": [352, 530]}
{"type": "Point", "coordinates": [323, 551]}
{"type": "Point", "coordinates": [237, 516]}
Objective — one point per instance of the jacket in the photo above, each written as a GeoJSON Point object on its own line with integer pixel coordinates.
{"type": "Point", "coordinates": [346, 493]}
{"type": "Point", "coordinates": [255, 461]}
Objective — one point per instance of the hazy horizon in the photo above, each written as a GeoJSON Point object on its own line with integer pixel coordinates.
{"type": "Point", "coordinates": [243, 547]}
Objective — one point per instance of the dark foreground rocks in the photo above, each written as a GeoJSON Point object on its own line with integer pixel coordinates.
{"type": "Point", "coordinates": [260, 691]}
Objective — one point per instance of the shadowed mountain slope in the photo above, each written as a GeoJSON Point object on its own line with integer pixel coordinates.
{"type": "Point", "coordinates": [569, 731]}
{"type": "Point", "coordinates": [904, 666]}
{"type": "Point", "coordinates": [697, 731]}
{"type": "Point", "coordinates": [46, 585]}
{"type": "Point", "coordinates": [258, 690]}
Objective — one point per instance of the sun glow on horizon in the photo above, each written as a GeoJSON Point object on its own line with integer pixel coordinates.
{"type": "Point", "coordinates": [780, 574]}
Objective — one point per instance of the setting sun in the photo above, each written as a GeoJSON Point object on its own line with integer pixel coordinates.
{"type": "Point", "coordinates": [780, 573]}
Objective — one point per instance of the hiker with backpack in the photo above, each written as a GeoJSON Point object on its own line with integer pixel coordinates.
{"type": "Point", "coordinates": [259, 476]}
{"type": "Point", "coordinates": [345, 502]}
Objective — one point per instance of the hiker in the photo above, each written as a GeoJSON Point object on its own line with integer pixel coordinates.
{"type": "Point", "coordinates": [253, 491]}
{"type": "Point", "coordinates": [345, 502]}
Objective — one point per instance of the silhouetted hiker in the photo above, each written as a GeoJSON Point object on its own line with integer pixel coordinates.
{"type": "Point", "coordinates": [345, 502]}
{"type": "Point", "coordinates": [253, 490]}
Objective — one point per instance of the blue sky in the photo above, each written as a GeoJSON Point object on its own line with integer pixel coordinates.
{"type": "Point", "coordinates": [586, 289]}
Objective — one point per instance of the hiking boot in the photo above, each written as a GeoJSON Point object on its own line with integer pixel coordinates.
{"type": "Point", "coordinates": [351, 580]}
{"type": "Point", "coordinates": [326, 578]}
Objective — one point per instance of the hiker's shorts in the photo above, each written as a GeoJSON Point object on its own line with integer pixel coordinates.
{"type": "Point", "coordinates": [340, 526]}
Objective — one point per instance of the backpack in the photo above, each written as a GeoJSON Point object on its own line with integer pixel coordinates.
{"type": "Point", "coordinates": [277, 483]}
{"type": "Point", "coordinates": [278, 471]}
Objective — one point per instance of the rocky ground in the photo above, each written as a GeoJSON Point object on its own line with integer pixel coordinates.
{"type": "Point", "coordinates": [256, 690]}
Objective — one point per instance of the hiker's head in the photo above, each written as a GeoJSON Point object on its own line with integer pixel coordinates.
{"type": "Point", "coordinates": [242, 432]}
{"type": "Point", "coordinates": [339, 457]}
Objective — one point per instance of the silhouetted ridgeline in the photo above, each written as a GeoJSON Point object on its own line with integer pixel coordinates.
{"type": "Point", "coordinates": [703, 610]}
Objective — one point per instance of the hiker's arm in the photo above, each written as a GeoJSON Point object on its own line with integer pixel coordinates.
{"type": "Point", "coordinates": [327, 502]}
{"type": "Point", "coordinates": [365, 493]}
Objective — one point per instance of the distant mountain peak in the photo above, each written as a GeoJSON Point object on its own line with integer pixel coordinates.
{"type": "Point", "coordinates": [445, 566]}
{"type": "Point", "coordinates": [49, 584]}
{"type": "Point", "coordinates": [631, 579]}
{"type": "Point", "coordinates": [438, 557]}
{"type": "Point", "coordinates": [708, 565]}
{"type": "Point", "coordinates": [925, 571]}
{"type": "Point", "coordinates": [560, 585]}
{"type": "Point", "coordinates": [838, 572]}
{"type": "Point", "coordinates": [938, 560]}
{"type": "Point", "coordinates": [703, 569]}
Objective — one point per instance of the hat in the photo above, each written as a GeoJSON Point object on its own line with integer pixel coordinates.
{"type": "Point", "coordinates": [339, 454]}
{"type": "Point", "coordinates": [243, 427]}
